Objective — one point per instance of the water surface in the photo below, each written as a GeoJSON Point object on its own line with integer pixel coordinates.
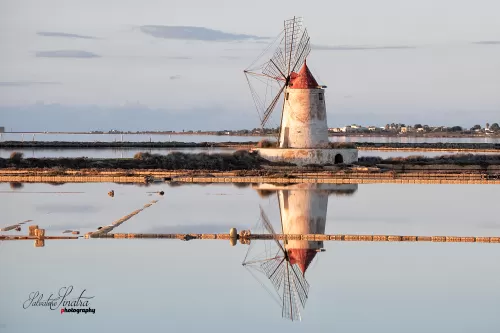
{"type": "Point", "coordinates": [130, 152]}
{"type": "Point", "coordinates": [220, 138]}
{"type": "Point", "coordinates": [187, 286]}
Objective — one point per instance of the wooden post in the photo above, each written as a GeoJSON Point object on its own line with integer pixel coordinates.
{"type": "Point", "coordinates": [40, 233]}
{"type": "Point", "coordinates": [32, 229]}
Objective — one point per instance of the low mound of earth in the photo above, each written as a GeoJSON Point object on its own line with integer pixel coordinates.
{"type": "Point", "coordinates": [239, 160]}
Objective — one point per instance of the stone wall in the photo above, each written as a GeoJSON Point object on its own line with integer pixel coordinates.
{"type": "Point", "coordinates": [303, 157]}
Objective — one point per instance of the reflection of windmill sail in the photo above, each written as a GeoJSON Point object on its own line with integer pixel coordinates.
{"type": "Point", "coordinates": [288, 281]}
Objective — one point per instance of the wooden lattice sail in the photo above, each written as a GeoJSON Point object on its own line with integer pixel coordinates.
{"type": "Point", "coordinates": [278, 65]}
{"type": "Point", "coordinates": [288, 280]}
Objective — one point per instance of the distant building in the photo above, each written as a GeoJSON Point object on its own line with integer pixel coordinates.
{"type": "Point", "coordinates": [347, 129]}
{"type": "Point", "coordinates": [2, 129]}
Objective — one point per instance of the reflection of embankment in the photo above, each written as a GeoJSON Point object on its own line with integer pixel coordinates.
{"type": "Point", "coordinates": [266, 190]}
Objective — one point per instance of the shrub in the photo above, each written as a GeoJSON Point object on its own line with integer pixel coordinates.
{"type": "Point", "coordinates": [16, 156]}
{"type": "Point", "coordinates": [341, 145]}
{"type": "Point", "coordinates": [267, 144]}
{"type": "Point", "coordinates": [142, 156]}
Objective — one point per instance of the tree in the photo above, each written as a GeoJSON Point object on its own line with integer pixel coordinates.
{"type": "Point", "coordinates": [494, 127]}
{"type": "Point", "coordinates": [456, 129]}
{"type": "Point", "coordinates": [417, 126]}
{"type": "Point", "coordinates": [475, 127]}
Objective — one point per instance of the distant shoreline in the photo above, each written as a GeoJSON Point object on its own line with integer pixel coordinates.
{"type": "Point", "coordinates": [347, 134]}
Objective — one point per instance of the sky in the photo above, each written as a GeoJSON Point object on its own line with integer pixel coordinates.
{"type": "Point", "coordinates": [173, 65]}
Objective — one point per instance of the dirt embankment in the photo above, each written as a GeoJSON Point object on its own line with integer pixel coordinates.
{"type": "Point", "coordinates": [239, 160]}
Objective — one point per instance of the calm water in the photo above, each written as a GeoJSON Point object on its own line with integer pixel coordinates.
{"type": "Point", "coordinates": [187, 286]}
{"type": "Point", "coordinates": [216, 138]}
{"type": "Point", "coordinates": [129, 152]}
{"type": "Point", "coordinates": [108, 152]}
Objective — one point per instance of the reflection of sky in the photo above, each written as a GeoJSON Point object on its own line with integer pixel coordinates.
{"type": "Point", "coordinates": [130, 152]}
{"type": "Point", "coordinates": [200, 285]}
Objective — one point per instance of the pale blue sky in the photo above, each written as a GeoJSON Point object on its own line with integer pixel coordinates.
{"type": "Point", "coordinates": [97, 62]}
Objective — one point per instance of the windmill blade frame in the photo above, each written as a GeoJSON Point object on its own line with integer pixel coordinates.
{"type": "Point", "coordinates": [290, 307]}
{"type": "Point", "coordinates": [301, 284]}
{"type": "Point", "coordinates": [271, 107]}
{"type": "Point", "coordinates": [270, 229]}
{"type": "Point", "coordinates": [291, 51]}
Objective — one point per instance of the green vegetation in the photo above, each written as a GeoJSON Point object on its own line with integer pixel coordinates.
{"type": "Point", "coordinates": [239, 160]}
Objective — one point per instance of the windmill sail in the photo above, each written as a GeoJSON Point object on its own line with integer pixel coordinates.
{"type": "Point", "coordinates": [289, 53]}
{"type": "Point", "coordinates": [288, 281]}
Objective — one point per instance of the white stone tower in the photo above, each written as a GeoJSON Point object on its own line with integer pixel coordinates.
{"type": "Point", "coordinates": [304, 122]}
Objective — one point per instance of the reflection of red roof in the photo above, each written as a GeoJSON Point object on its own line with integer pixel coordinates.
{"type": "Point", "coordinates": [303, 79]}
{"type": "Point", "coordinates": [301, 257]}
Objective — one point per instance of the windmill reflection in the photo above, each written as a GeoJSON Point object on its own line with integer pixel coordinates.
{"type": "Point", "coordinates": [303, 209]}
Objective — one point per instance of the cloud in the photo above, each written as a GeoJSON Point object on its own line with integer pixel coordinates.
{"type": "Point", "coordinates": [359, 47]}
{"type": "Point", "coordinates": [193, 33]}
{"type": "Point", "coordinates": [66, 54]}
{"type": "Point", "coordinates": [180, 58]}
{"type": "Point", "coordinates": [62, 34]}
{"type": "Point", "coordinates": [25, 83]}
{"type": "Point", "coordinates": [175, 77]}
{"type": "Point", "coordinates": [488, 42]}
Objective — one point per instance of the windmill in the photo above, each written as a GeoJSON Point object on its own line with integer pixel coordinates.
{"type": "Point", "coordinates": [303, 115]}
{"type": "Point", "coordinates": [278, 266]}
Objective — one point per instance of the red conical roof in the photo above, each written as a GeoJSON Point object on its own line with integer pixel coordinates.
{"type": "Point", "coordinates": [303, 79]}
{"type": "Point", "coordinates": [301, 257]}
